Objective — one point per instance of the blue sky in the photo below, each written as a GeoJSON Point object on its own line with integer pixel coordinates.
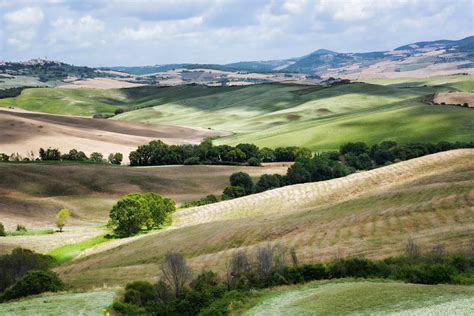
{"type": "Point", "coordinates": [119, 32]}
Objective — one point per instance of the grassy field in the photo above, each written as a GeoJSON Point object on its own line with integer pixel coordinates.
{"type": "Point", "coordinates": [89, 303]}
{"type": "Point", "coordinates": [369, 213]}
{"type": "Point", "coordinates": [278, 114]}
{"type": "Point", "coordinates": [32, 193]}
{"type": "Point", "coordinates": [374, 297]}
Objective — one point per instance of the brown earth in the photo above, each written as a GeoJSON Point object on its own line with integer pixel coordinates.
{"type": "Point", "coordinates": [22, 132]}
{"type": "Point", "coordinates": [454, 98]}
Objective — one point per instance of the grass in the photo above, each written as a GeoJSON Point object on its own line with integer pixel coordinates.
{"type": "Point", "coordinates": [279, 114]}
{"type": "Point", "coordinates": [370, 297]}
{"type": "Point", "coordinates": [89, 303]}
{"type": "Point", "coordinates": [31, 232]}
{"type": "Point", "coordinates": [365, 214]}
{"type": "Point", "coordinates": [68, 252]}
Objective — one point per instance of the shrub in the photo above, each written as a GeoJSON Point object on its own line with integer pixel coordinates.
{"type": "Point", "coordinates": [242, 179]}
{"type": "Point", "coordinates": [50, 154]}
{"type": "Point", "coordinates": [429, 273]}
{"type": "Point", "coordinates": [96, 157]}
{"type": "Point", "coordinates": [20, 228]}
{"type": "Point", "coordinates": [232, 192]}
{"type": "Point", "coordinates": [33, 282]}
{"type": "Point", "coordinates": [128, 309]}
{"type": "Point", "coordinates": [139, 293]}
{"type": "Point", "coordinates": [254, 162]}
{"type": "Point", "coordinates": [2, 230]}
{"type": "Point", "coordinates": [61, 217]}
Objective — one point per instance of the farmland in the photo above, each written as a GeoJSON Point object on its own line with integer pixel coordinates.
{"type": "Point", "coordinates": [428, 199]}
{"type": "Point", "coordinates": [273, 115]}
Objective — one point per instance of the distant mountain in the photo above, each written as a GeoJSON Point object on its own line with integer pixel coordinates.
{"type": "Point", "coordinates": [456, 54]}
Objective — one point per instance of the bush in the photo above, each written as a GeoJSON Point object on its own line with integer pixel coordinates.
{"type": "Point", "coordinates": [139, 293]}
{"type": "Point", "coordinates": [232, 192]}
{"type": "Point", "coordinates": [115, 159]}
{"type": "Point", "coordinates": [20, 228]}
{"type": "Point", "coordinates": [2, 230]}
{"type": "Point", "coordinates": [33, 282]}
{"type": "Point", "coordinates": [20, 261]}
{"type": "Point", "coordinates": [97, 157]}
{"type": "Point", "coordinates": [50, 154]}
{"type": "Point", "coordinates": [128, 309]}
{"type": "Point", "coordinates": [254, 162]}
{"type": "Point", "coordinates": [243, 180]}
{"type": "Point", "coordinates": [353, 267]}
{"type": "Point", "coordinates": [429, 273]}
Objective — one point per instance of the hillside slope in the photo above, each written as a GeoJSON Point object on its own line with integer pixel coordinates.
{"type": "Point", "coordinates": [370, 213]}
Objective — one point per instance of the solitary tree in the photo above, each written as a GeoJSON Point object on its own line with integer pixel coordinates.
{"type": "Point", "coordinates": [130, 214]}
{"type": "Point", "coordinates": [116, 158]}
{"type": "Point", "coordinates": [175, 272]}
{"type": "Point", "coordinates": [61, 217]}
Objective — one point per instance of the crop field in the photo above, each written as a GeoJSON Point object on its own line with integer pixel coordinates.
{"type": "Point", "coordinates": [372, 213]}
{"type": "Point", "coordinates": [32, 193]}
{"type": "Point", "coordinates": [374, 297]}
{"type": "Point", "coordinates": [92, 303]}
{"type": "Point", "coordinates": [273, 115]}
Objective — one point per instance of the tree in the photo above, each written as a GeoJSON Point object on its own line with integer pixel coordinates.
{"type": "Point", "coordinates": [115, 159]}
{"type": "Point", "coordinates": [75, 155]}
{"type": "Point", "coordinates": [357, 149]}
{"type": "Point", "coordinates": [175, 272]}
{"type": "Point", "coordinates": [50, 154]}
{"type": "Point", "coordinates": [242, 179]}
{"type": "Point", "coordinates": [61, 217]}
{"type": "Point", "coordinates": [268, 182]}
{"type": "Point", "coordinates": [2, 230]}
{"type": "Point", "coordinates": [232, 192]}
{"type": "Point", "coordinates": [160, 208]}
{"type": "Point", "coordinates": [130, 214]}
{"type": "Point", "coordinates": [250, 150]}
{"type": "Point", "coordinates": [33, 282]}
{"type": "Point", "coordinates": [266, 154]}
{"type": "Point", "coordinates": [97, 157]}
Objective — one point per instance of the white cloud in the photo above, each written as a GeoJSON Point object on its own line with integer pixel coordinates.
{"type": "Point", "coordinates": [28, 16]}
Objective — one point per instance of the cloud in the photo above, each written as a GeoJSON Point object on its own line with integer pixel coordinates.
{"type": "Point", "coordinates": [28, 16]}
{"type": "Point", "coordinates": [109, 32]}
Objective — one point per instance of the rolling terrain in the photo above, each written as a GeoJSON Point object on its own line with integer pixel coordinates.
{"type": "Point", "coordinates": [372, 213]}
{"type": "Point", "coordinates": [32, 193]}
{"type": "Point", "coordinates": [317, 117]}
{"type": "Point", "coordinates": [25, 132]}
{"type": "Point", "coordinates": [374, 297]}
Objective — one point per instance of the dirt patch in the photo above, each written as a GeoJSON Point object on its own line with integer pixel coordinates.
{"type": "Point", "coordinates": [323, 111]}
{"type": "Point", "coordinates": [293, 117]}
{"type": "Point", "coordinates": [465, 99]}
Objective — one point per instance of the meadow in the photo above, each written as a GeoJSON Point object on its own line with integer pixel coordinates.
{"type": "Point", "coordinates": [320, 118]}
{"type": "Point", "coordinates": [368, 297]}
{"type": "Point", "coordinates": [370, 213]}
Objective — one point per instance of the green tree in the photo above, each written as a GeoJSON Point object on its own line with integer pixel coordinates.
{"type": "Point", "coordinates": [50, 154]}
{"type": "Point", "coordinates": [266, 154]}
{"type": "Point", "coordinates": [130, 214]}
{"type": "Point", "coordinates": [232, 192]}
{"type": "Point", "coordinates": [2, 230]}
{"type": "Point", "coordinates": [61, 217]}
{"type": "Point", "coordinates": [115, 159]}
{"type": "Point", "coordinates": [160, 209]}
{"type": "Point", "coordinates": [242, 179]}
{"type": "Point", "coordinates": [96, 157]}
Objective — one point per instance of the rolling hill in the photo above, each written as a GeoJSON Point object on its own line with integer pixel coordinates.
{"type": "Point", "coordinates": [321, 118]}
{"type": "Point", "coordinates": [369, 213]}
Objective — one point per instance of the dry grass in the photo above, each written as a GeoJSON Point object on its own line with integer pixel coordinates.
{"type": "Point", "coordinates": [31, 194]}
{"type": "Point", "coordinates": [454, 98]}
{"type": "Point", "coordinates": [429, 199]}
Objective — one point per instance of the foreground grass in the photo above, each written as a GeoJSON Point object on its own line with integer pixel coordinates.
{"type": "Point", "coordinates": [68, 252]}
{"type": "Point", "coordinates": [89, 303]}
{"type": "Point", "coordinates": [366, 297]}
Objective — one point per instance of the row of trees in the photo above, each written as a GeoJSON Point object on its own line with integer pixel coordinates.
{"type": "Point", "coordinates": [53, 154]}
{"type": "Point", "coordinates": [137, 211]}
{"type": "Point", "coordinates": [329, 165]}
{"type": "Point", "coordinates": [159, 153]}
{"type": "Point", "coordinates": [178, 293]}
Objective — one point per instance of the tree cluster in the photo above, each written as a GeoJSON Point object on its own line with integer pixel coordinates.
{"type": "Point", "coordinates": [177, 293]}
{"type": "Point", "coordinates": [137, 211]}
{"type": "Point", "coordinates": [53, 154]}
{"type": "Point", "coordinates": [159, 153]}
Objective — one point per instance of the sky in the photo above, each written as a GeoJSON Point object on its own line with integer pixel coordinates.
{"type": "Point", "coordinates": [131, 33]}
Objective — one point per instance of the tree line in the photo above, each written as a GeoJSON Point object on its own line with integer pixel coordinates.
{"type": "Point", "coordinates": [350, 158]}
{"type": "Point", "coordinates": [53, 154]}
{"type": "Point", "coordinates": [178, 293]}
{"type": "Point", "coordinates": [159, 153]}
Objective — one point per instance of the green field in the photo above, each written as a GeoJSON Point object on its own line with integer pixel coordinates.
{"type": "Point", "coordinates": [89, 303]}
{"type": "Point", "coordinates": [278, 114]}
{"type": "Point", "coordinates": [371, 297]}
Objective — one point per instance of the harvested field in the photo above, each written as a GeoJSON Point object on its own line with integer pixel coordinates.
{"type": "Point", "coordinates": [372, 213]}
{"type": "Point", "coordinates": [22, 132]}
{"type": "Point", "coordinates": [454, 98]}
{"type": "Point", "coordinates": [32, 193]}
